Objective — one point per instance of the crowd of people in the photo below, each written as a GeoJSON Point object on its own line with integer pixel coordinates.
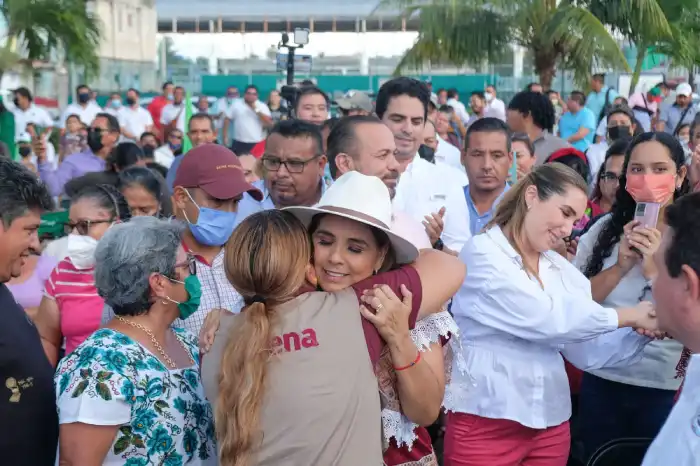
{"type": "Point", "coordinates": [411, 283]}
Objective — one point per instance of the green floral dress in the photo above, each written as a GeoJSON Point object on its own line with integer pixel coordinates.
{"type": "Point", "coordinates": [163, 415]}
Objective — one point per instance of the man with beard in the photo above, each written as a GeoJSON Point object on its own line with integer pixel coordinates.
{"type": "Point", "coordinates": [293, 166]}
{"type": "Point", "coordinates": [430, 193]}
{"type": "Point", "coordinates": [28, 405]}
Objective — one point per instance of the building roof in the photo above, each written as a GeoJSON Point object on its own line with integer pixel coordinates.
{"type": "Point", "coordinates": [272, 10]}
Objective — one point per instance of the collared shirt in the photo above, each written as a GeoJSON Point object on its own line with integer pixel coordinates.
{"type": "Point", "coordinates": [570, 123]}
{"type": "Point", "coordinates": [249, 206]}
{"type": "Point", "coordinates": [33, 114]}
{"type": "Point", "coordinates": [514, 333]}
{"type": "Point", "coordinates": [86, 114]}
{"type": "Point", "coordinates": [657, 366]}
{"type": "Point", "coordinates": [546, 145]}
{"type": "Point", "coordinates": [217, 293]}
{"type": "Point", "coordinates": [595, 101]}
{"type": "Point", "coordinates": [134, 120]}
{"type": "Point", "coordinates": [171, 111]}
{"type": "Point", "coordinates": [478, 221]}
{"type": "Point", "coordinates": [425, 188]}
{"type": "Point", "coordinates": [448, 156]}
{"type": "Point", "coordinates": [671, 116]}
{"type": "Point", "coordinates": [496, 109]}
{"type": "Point", "coordinates": [247, 126]}
{"type": "Point", "coordinates": [73, 166]}
{"type": "Point", "coordinates": [678, 443]}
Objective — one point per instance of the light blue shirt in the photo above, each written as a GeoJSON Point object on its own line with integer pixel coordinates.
{"type": "Point", "coordinates": [596, 100]}
{"type": "Point", "coordinates": [477, 221]}
{"type": "Point", "coordinates": [570, 123]}
{"type": "Point", "coordinates": [249, 206]}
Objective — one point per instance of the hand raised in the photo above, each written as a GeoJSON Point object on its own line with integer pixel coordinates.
{"type": "Point", "coordinates": [209, 329]}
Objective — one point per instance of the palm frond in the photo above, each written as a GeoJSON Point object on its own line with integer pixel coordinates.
{"type": "Point", "coordinates": [584, 42]}
{"type": "Point", "coordinates": [44, 27]}
{"type": "Point", "coordinates": [640, 20]}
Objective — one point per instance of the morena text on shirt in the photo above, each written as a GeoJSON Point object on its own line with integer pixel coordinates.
{"type": "Point", "coordinates": [293, 341]}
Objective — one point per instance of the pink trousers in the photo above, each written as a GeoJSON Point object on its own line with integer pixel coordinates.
{"type": "Point", "coordinates": [478, 441]}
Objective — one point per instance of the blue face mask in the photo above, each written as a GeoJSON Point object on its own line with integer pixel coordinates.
{"type": "Point", "coordinates": [213, 227]}
{"type": "Point", "coordinates": [116, 103]}
{"type": "Point", "coordinates": [169, 97]}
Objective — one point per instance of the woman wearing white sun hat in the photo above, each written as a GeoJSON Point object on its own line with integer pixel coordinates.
{"type": "Point", "coordinates": [354, 249]}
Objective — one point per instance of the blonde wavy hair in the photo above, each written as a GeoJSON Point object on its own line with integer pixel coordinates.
{"type": "Point", "coordinates": [265, 260]}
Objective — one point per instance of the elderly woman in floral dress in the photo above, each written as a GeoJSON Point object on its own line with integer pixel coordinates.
{"type": "Point", "coordinates": [131, 393]}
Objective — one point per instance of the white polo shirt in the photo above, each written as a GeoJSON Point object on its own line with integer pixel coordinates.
{"type": "Point", "coordinates": [171, 111]}
{"type": "Point", "coordinates": [33, 114]}
{"type": "Point", "coordinates": [134, 120]}
{"type": "Point", "coordinates": [678, 443]}
{"type": "Point", "coordinates": [424, 188]}
{"type": "Point", "coordinates": [86, 114]}
{"type": "Point", "coordinates": [247, 126]}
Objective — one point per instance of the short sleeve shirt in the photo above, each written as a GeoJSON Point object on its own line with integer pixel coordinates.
{"type": "Point", "coordinates": [79, 305]}
{"type": "Point", "coordinates": [164, 418]}
{"type": "Point", "coordinates": [29, 431]}
{"type": "Point", "coordinates": [247, 126]}
{"type": "Point", "coordinates": [570, 123]}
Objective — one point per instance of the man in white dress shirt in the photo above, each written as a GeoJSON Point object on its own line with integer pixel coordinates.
{"type": "Point", "coordinates": [134, 120]}
{"type": "Point", "coordinates": [250, 118]}
{"type": "Point", "coordinates": [173, 114]}
{"type": "Point", "coordinates": [495, 107]}
{"type": "Point", "coordinates": [84, 107]}
{"type": "Point", "coordinates": [425, 190]}
{"type": "Point", "coordinates": [26, 112]}
{"type": "Point", "coordinates": [459, 108]}
{"type": "Point", "coordinates": [676, 291]}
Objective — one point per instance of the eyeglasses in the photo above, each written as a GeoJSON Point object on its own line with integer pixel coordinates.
{"type": "Point", "coordinates": [610, 176]}
{"type": "Point", "coordinates": [191, 264]}
{"type": "Point", "coordinates": [82, 226]}
{"type": "Point", "coordinates": [273, 164]}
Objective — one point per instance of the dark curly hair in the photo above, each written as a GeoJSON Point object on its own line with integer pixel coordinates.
{"type": "Point", "coordinates": [623, 209]}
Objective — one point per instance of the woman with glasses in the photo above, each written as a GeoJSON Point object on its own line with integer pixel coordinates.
{"type": "Point", "coordinates": [616, 255]}
{"type": "Point", "coordinates": [131, 392]}
{"type": "Point", "coordinates": [71, 308]}
{"type": "Point", "coordinates": [609, 176]}
{"type": "Point", "coordinates": [145, 192]}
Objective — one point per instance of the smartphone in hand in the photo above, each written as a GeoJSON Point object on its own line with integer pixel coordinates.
{"type": "Point", "coordinates": [647, 214]}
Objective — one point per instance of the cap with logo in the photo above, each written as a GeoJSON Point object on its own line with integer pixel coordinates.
{"type": "Point", "coordinates": [356, 100]}
{"type": "Point", "coordinates": [684, 89]}
{"type": "Point", "coordinates": [216, 170]}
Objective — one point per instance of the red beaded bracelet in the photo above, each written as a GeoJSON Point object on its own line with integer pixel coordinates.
{"type": "Point", "coordinates": [410, 365]}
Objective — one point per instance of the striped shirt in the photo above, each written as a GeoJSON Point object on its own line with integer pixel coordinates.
{"type": "Point", "coordinates": [79, 305]}
{"type": "Point", "coordinates": [217, 293]}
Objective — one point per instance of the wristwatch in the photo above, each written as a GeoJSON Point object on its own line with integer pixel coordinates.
{"type": "Point", "coordinates": [439, 245]}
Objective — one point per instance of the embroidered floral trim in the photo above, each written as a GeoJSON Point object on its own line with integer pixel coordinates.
{"type": "Point", "coordinates": [427, 331]}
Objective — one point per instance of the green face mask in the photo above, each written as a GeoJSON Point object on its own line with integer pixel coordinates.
{"type": "Point", "coordinates": [194, 291]}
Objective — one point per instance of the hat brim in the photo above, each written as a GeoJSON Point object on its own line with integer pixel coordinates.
{"type": "Point", "coordinates": [405, 251]}
{"type": "Point", "coordinates": [219, 190]}
{"type": "Point", "coordinates": [344, 103]}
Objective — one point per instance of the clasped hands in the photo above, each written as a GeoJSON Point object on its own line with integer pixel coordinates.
{"type": "Point", "coordinates": [644, 321]}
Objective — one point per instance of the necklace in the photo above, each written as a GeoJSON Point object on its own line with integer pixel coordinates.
{"type": "Point", "coordinates": [160, 349]}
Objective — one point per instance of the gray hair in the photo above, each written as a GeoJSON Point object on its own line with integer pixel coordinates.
{"type": "Point", "coordinates": [128, 254]}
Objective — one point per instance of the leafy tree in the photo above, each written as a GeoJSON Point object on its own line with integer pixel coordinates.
{"type": "Point", "coordinates": [40, 29]}
{"type": "Point", "coordinates": [558, 33]}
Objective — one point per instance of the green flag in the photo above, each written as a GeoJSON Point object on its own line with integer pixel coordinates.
{"type": "Point", "coordinates": [186, 143]}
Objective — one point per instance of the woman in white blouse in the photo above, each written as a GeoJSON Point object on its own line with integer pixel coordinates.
{"type": "Point", "coordinates": [520, 308]}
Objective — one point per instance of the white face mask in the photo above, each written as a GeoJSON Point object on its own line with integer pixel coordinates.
{"type": "Point", "coordinates": [489, 96]}
{"type": "Point", "coordinates": [81, 251]}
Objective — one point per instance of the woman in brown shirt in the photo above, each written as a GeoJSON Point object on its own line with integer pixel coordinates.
{"type": "Point", "coordinates": [309, 424]}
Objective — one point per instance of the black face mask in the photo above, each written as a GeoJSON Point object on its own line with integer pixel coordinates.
{"type": "Point", "coordinates": [426, 153]}
{"type": "Point", "coordinates": [617, 132]}
{"type": "Point", "coordinates": [25, 151]}
{"type": "Point", "coordinates": [94, 140]}
{"type": "Point", "coordinates": [130, 101]}
{"type": "Point", "coordinates": [83, 98]}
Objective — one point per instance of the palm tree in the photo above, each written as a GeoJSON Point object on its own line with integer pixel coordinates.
{"type": "Point", "coordinates": [39, 29]}
{"type": "Point", "coordinates": [558, 33]}
{"type": "Point", "coordinates": [677, 38]}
